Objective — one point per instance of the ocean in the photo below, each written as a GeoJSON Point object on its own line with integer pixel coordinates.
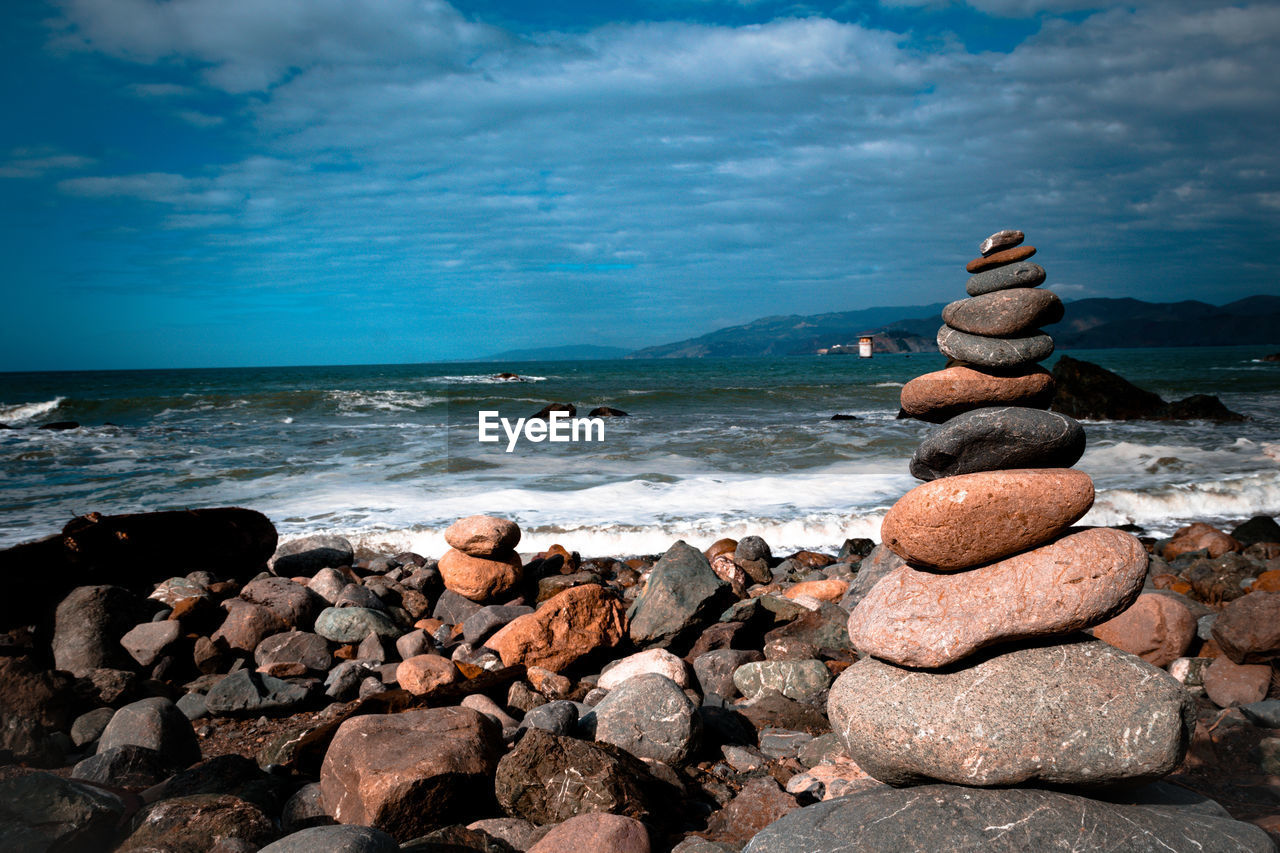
{"type": "Point", "coordinates": [388, 455]}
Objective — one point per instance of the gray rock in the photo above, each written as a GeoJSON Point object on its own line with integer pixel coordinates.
{"type": "Point", "coordinates": [1078, 712]}
{"type": "Point", "coordinates": [372, 647]}
{"type": "Point", "coordinates": [480, 625]}
{"type": "Point", "coordinates": [559, 717]}
{"type": "Point", "coordinates": [304, 809]}
{"type": "Point", "coordinates": [154, 723]}
{"type": "Point", "coordinates": [127, 766]}
{"type": "Point", "coordinates": [453, 609]}
{"type": "Point", "coordinates": [328, 584]}
{"type": "Point", "coordinates": [192, 706]}
{"type": "Point", "coordinates": [783, 743]}
{"type": "Point", "coordinates": [999, 438]}
{"type": "Point", "coordinates": [217, 823]}
{"type": "Point", "coordinates": [694, 844]}
{"type": "Point", "coordinates": [414, 643]}
{"type": "Point", "coordinates": [880, 562]}
{"type": "Point", "coordinates": [335, 839]}
{"type": "Point", "coordinates": [359, 595]}
{"type": "Point", "coordinates": [292, 602]}
{"type": "Point", "coordinates": [88, 625]}
{"type": "Point", "coordinates": [1005, 313]}
{"type": "Point", "coordinates": [88, 727]}
{"type": "Point", "coordinates": [683, 594]}
{"type": "Point", "coordinates": [41, 812]}
{"type": "Point", "coordinates": [146, 642]}
{"type": "Point", "coordinates": [519, 833]}
{"type": "Point", "coordinates": [948, 817]}
{"type": "Point", "coordinates": [310, 650]}
{"type": "Point", "coordinates": [1022, 274]}
{"type": "Point", "coordinates": [310, 554]}
{"type": "Point", "coordinates": [1000, 241]}
{"type": "Point", "coordinates": [1265, 713]}
{"type": "Point", "coordinates": [247, 693]}
{"type": "Point", "coordinates": [801, 680]}
{"type": "Point", "coordinates": [1204, 626]}
{"type": "Point", "coordinates": [752, 548]}
{"type": "Point", "coordinates": [353, 624]}
{"type": "Point", "coordinates": [345, 678]}
{"type": "Point", "coordinates": [714, 669]}
{"type": "Point", "coordinates": [994, 352]}
{"type": "Point", "coordinates": [650, 717]}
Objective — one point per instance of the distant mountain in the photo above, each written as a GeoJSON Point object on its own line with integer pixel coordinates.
{"type": "Point", "coordinates": [581, 352]}
{"type": "Point", "coordinates": [1090, 324]}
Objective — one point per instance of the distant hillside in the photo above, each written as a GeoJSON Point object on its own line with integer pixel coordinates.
{"type": "Point", "coordinates": [582, 352]}
{"type": "Point", "coordinates": [1089, 324]}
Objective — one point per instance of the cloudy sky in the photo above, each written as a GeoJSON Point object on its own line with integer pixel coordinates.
{"type": "Point", "coordinates": [231, 182]}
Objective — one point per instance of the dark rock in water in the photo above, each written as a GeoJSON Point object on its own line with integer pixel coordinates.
{"type": "Point", "coordinates": [127, 766]}
{"type": "Point", "coordinates": [1072, 712]}
{"type": "Point", "coordinates": [88, 626]}
{"type": "Point", "coordinates": [58, 426]}
{"type": "Point", "coordinates": [1275, 356]}
{"type": "Point", "coordinates": [335, 839]}
{"type": "Point", "coordinates": [1025, 274]}
{"type": "Point", "coordinates": [189, 824]}
{"type": "Point", "coordinates": [1260, 528]}
{"type": "Point", "coordinates": [950, 817]}
{"type": "Point", "coordinates": [247, 693]}
{"type": "Point", "coordinates": [548, 779]}
{"type": "Point", "coordinates": [509, 377]}
{"type": "Point", "coordinates": [155, 723]}
{"type": "Point", "coordinates": [1000, 241]}
{"type": "Point", "coordinates": [839, 417]}
{"type": "Point", "coordinates": [999, 438]}
{"type": "Point", "coordinates": [544, 414]}
{"type": "Point", "coordinates": [999, 259]}
{"type": "Point", "coordinates": [1004, 313]}
{"type": "Point", "coordinates": [607, 412]}
{"type": "Point", "coordinates": [1001, 353]}
{"type": "Point", "coordinates": [310, 554]}
{"type": "Point", "coordinates": [682, 596]}
{"type": "Point", "coordinates": [650, 717]}
{"type": "Point", "coordinates": [42, 812]}
{"type": "Point", "coordinates": [1087, 391]}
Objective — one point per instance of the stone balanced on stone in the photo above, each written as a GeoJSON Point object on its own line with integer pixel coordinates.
{"type": "Point", "coordinates": [976, 672]}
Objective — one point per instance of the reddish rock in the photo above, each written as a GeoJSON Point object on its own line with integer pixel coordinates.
{"type": "Point", "coordinates": [1268, 581]}
{"type": "Point", "coordinates": [941, 395]}
{"type": "Point", "coordinates": [828, 589]}
{"type": "Point", "coordinates": [967, 520]}
{"type": "Point", "coordinates": [1229, 684]}
{"type": "Point", "coordinates": [197, 823]}
{"type": "Point", "coordinates": [421, 674]}
{"type": "Point", "coordinates": [483, 535]}
{"type": "Point", "coordinates": [408, 773]}
{"type": "Point", "coordinates": [1248, 629]}
{"type": "Point", "coordinates": [480, 578]}
{"type": "Point", "coordinates": [248, 624]}
{"type": "Point", "coordinates": [604, 832]}
{"type": "Point", "coordinates": [568, 563]}
{"type": "Point", "coordinates": [1195, 537]}
{"type": "Point", "coordinates": [812, 559]}
{"type": "Point", "coordinates": [924, 619]}
{"type": "Point", "coordinates": [728, 570]}
{"type": "Point", "coordinates": [1157, 628]}
{"type": "Point", "coordinates": [721, 546]}
{"type": "Point", "coordinates": [759, 804]}
{"type": "Point", "coordinates": [999, 259]}
{"type": "Point", "coordinates": [292, 602]}
{"type": "Point", "coordinates": [566, 627]}
{"type": "Point", "coordinates": [1000, 241]}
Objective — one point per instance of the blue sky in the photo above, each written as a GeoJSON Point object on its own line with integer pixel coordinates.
{"type": "Point", "coordinates": [237, 182]}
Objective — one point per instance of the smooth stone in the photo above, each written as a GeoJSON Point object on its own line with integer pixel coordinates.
{"type": "Point", "coordinates": [334, 839]}
{"type": "Point", "coordinates": [801, 680]}
{"type": "Point", "coordinates": [1074, 713]}
{"type": "Point", "coordinates": [1229, 684]}
{"type": "Point", "coordinates": [559, 717]}
{"type": "Point", "coordinates": [1025, 274]}
{"type": "Point", "coordinates": [422, 674]}
{"type": "Point", "coordinates": [949, 817]}
{"type": "Point", "coordinates": [1157, 628]}
{"type": "Point", "coordinates": [88, 625]}
{"type": "Point", "coordinates": [658, 661]}
{"type": "Point", "coordinates": [309, 554]}
{"type": "Point", "coordinates": [611, 832]}
{"type": "Point", "coordinates": [941, 395]}
{"type": "Point", "coordinates": [682, 596]}
{"type": "Point", "coordinates": [153, 723]}
{"type": "Point", "coordinates": [924, 619]}
{"type": "Point", "coordinates": [487, 620]}
{"type": "Point", "coordinates": [650, 717]}
{"type": "Point", "coordinates": [483, 535]}
{"type": "Point", "coordinates": [999, 438]}
{"type": "Point", "coordinates": [247, 693]}
{"type": "Point", "coordinates": [970, 519]}
{"type": "Point", "coordinates": [293, 602]}
{"type": "Point", "coordinates": [1004, 313]}
{"type": "Point", "coordinates": [480, 578]}
{"type": "Point", "coordinates": [998, 353]}
{"type": "Point", "coordinates": [147, 641]}
{"type": "Point", "coordinates": [248, 624]}
{"type": "Point", "coordinates": [564, 629]}
{"type": "Point", "coordinates": [1248, 629]}
{"type": "Point", "coordinates": [999, 259]}
{"type": "Point", "coordinates": [89, 726]}
{"type": "Point", "coordinates": [1001, 240]}
{"type": "Point", "coordinates": [714, 669]}
{"type": "Point", "coordinates": [353, 624]}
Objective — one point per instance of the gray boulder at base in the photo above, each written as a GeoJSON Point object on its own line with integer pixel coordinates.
{"type": "Point", "coordinates": [650, 717]}
{"type": "Point", "coordinates": [335, 839]}
{"type": "Point", "coordinates": [247, 693]}
{"type": "Point", "coordinates": [155, 723]}
{"type": "Point", "coordinates": [1024, 274]}
{"type": "Point", "coordinates": [994, 352]}
{"type": "Point", "coordinates": [40, 812]}
{"type": "Point", "coordinates": [999, 438]}
{"type": "Point", "coordinates": [682, 594]}
{"type": "Point", "coordinates": [310, 554]}
{"type": "Point", "coordinates": [1078, 712]}
{"type": "Point", "coordinates": [948, 817]}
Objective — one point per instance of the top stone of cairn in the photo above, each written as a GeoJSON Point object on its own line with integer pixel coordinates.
{"type": "Point", "coordinates": [999, 241]}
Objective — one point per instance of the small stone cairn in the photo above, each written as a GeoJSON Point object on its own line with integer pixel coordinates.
{"type": "Point", "coordinates": [976, 671]}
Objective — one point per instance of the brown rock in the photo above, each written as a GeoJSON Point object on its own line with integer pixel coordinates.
{"type": "Point", "coordinates": [248, 624]}
{"type": "Point", "coordinates": [566, 627]}
{"type": "Point", "coordinates": [1268, 581]}
{"type": "Point", "coordinates": [1004, 312]}
{"type": "Point", "coordinates": [568, 563]}
{"type": "Point", "coordinates": [604, 832]}
{"type": "Point", "coordinates": [1248, 629]}
{"type": "Point", "coordinates": [941, 395]}
{"type": "Point", "coordinates": [1157, 628]}
{"type": "Point", "coordinates": [421, 674]}
{"type": "Point", "coordinates": [195, 823]}
{"type": "Point", "coordinates": [1001, 240]}
{"type": "Point", "coordinates": [828, 589]}
{"type": "Point", "coordinates": [923, 619]}
{"type": "Point", "coordinates": [759, 804]}
{"type": "Point", "coordinates": [480, 578]}
{"type": "Point", "coordinates": [720, 546]}
{"type": "Point", "coordinates": [728, 570]}
{"type": "Point", "coordinates": [999, 259]}
{"type": "Point", "coordinates": [146, 641]}
{"type": "Point", "coordinates": [970, 519]}
{"type": "Point", "coordinates": [483, 535]}
{"type": "Point", "coordinates": [1195, 537]}
{"type": "Point", "coordinates": [34, 703]}
{"type": "Point", "coordinates": [1229, 684]}
{"type": "Point", "coordinates": [407, 773]}
{"type": "Point", "coordinates": [292, 602]}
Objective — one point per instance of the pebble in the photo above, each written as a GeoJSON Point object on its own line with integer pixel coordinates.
{"type": "Point", "coordinates": [801, 680]}
{"type": "Point", "coordinates": [483, 535]}
{"type": "Point", "coordinates": [999, 259]}
{"type": "Point", "coordinates": [1000, 241]}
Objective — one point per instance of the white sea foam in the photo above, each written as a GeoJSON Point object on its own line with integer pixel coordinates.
{"type": "Point", "coordinates": [1165, 509]}
{"type": "Point", "coordinates": [481, 379]}
{"type": "Point", "coordinates": [887, 385]}
{"type": "Point", "coordinates": [386, 401]}
{"type": "Point", "coordinates": [22, 412]}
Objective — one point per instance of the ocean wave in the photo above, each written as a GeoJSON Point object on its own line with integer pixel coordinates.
{"type": "Point", "coordinates": [386, 401]}
{"type": "Point", "coordinates": [480, 379]}
{"type": "Point", "coordinates": [887, 384]}
{"type": "Point", "coordinates": [23, 412]}
{"type": "Point", "coordinates": [1163, 510]}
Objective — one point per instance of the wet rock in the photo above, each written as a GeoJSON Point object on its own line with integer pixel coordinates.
{"type": "Point", "coordinates": [659, 661]}
{"type": "Point", "coordinates": [42, 812]}
{"type": "Point", "coordinates": [615, 833]}
{"type": "Point", "coordinates": [607, 412]}
{"type": "Point", "coordinates": [1157, 628]}
{"type": "Point", "coordinates": [88, 625]}
{"type": "Point", "coordinates": [335, 839]}
{"type": "Point", "coordinates": [483, 535]}
{"type": "Point", "coordinates": [154, 723]}
{"type": "Point", "coordinates": [683, 595]}
{"type": "Point", "coordinates": [801, 680]}
{"type": "Point", "coordinates": [649, 716]}
{"type": "Point", "coordinates": [999, 438]}
{"type": "Point", "coordinates": [963, 521]}
{"type": "Point", "coordinates": [1230, 684]}
{"type": "Point", "coordinates": [300, 647]}
{"type": "Point", "coordinates": [998, 353]}
{"type": "Point", "coordinates": [481, 578]}
{"type": "Point", "coordinates": [564, 629]}
{"type": "Point", "coordinates": [949, 817]}
{"type": "Point", "coordinates": [1087, 391]}
{"type": "Point", "coordinates": [1079, 712]}
{"type": "Point", "coordinates": [188, 824]}
{"type": "Point", "coordinates": [246, 693]}
{"type": "Point", "coordinates": [1000, 258]}
{"type": "Point", "coordinates": [309, 554]}
{"type": "Point", "coordinates": [353, 624]}
{"type": "Point", "coordinates": [936, 397]}
{"type": "Point", "coordinates": [407, 773]}
{"type": "Point", "coordinates": [1005, 312]}
{"type": "Point", "coordinates": [925, 619]}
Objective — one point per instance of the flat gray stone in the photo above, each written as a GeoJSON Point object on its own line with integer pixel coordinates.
{"type": "Point", "coordinates": [995, 439]}
{"type": "Point", "coordinates": [353, 624]}
{"type": "Point", "coordinates": [1022, 274]}
{"type": "Point", "coordinates": [650, 717]}
{"type": "Point", "coordinates": [994, 352]}
{"type": "Point", "coordinates": [801, 680]}
{"type": "Point", "coordinates": [147, 641]}
{"type": "Point", "coordinates": [247, 693]}
{"type": "Point", "coordinates": [948, 817]}
{"type": "Point", "coordinates": [1074, 712]}
{"type": "Point", "coordinates": [1004, 313]}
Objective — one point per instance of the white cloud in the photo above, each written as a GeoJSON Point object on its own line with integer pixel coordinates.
{"type": "Point", "coordinates": [39, 162]}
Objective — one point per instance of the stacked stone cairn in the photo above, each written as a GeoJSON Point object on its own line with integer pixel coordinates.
{"type": "Point", "coordinates": [976, 671]}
